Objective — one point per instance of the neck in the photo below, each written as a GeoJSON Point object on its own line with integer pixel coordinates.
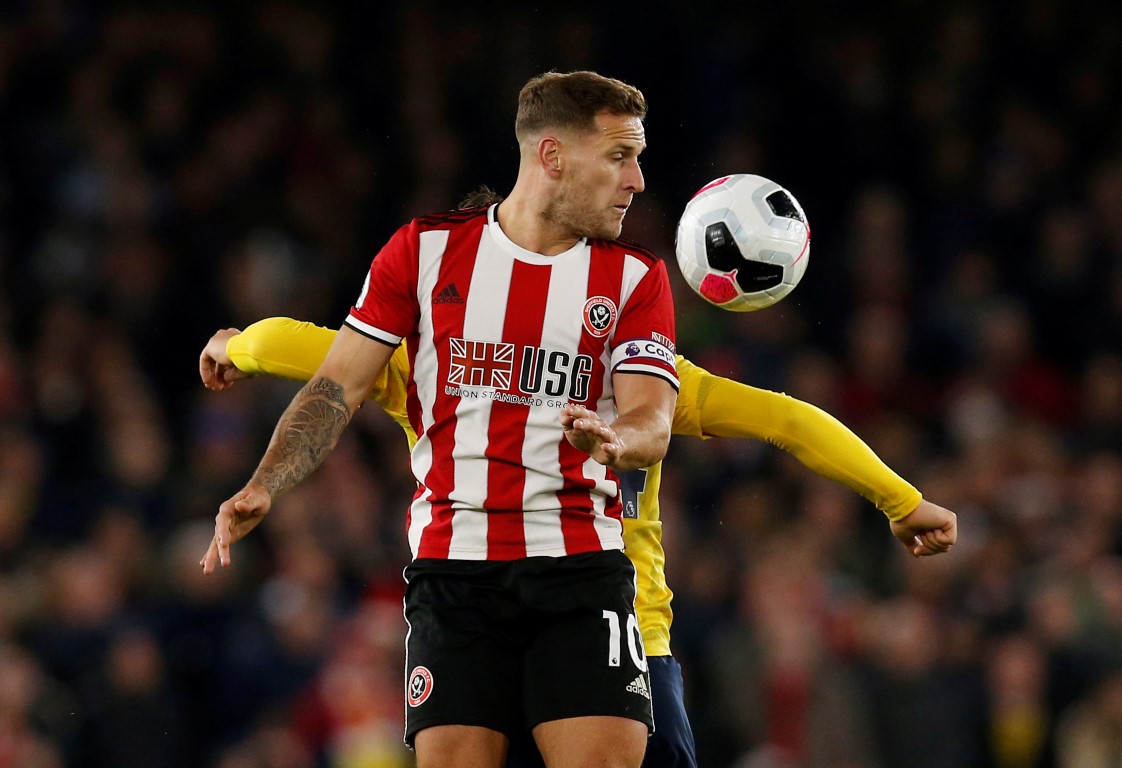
{"type": "Point", "coordinates": [520, 216]}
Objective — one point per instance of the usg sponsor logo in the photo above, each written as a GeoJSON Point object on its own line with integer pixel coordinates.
{"type": "Point", "coordinates": [525, 372]}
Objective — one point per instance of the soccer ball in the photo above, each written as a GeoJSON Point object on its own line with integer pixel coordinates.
{"type": "Point", "coordinates": [743, 242]}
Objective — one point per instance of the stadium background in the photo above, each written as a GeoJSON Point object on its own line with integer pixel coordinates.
{"type": "Point", "coordinates": [170, 168]}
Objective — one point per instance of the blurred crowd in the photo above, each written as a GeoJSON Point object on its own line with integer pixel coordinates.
{"type": "Point", "coordinates": [170, 168]}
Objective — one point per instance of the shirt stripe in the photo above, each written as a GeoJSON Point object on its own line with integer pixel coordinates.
{"type": "Point", "coordinates": [506, 435]}
{"type": "Point", "coordinates": [424, 380]}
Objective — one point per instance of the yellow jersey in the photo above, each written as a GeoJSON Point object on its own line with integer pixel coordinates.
{"type": "Point", "coordinates": [708, 406]}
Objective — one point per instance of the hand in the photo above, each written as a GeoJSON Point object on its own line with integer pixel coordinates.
{"type": "Point", "coordinates": [586, 431]}
{"type": "Point", "coordinates": [216, 369]}
{"type": "Point", "coordinates": [928, 530]}
{"type": "Point", "coordinates": [237, 516]}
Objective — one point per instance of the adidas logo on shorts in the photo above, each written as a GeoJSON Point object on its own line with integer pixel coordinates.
{"type": "Point", "coordinates": [639, 686]}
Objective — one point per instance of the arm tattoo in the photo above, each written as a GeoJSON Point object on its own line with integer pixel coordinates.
{"type": "Point", "coordinates": [305, 434]}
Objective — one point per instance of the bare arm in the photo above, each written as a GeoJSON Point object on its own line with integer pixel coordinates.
{"type": "Point", "coordinates": [640, 434]}
{"type": "Point", "coordinates": [305, 434]}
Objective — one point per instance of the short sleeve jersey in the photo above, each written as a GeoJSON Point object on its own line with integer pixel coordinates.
{"type": "Point", "coordinates": [500, 339]}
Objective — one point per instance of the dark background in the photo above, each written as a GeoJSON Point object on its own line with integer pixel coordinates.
{"type": "Point", "coordinates": [167, 169]}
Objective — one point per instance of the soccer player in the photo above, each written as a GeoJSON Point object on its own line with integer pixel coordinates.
{"type": "Point", "coordinates": [707, 405]}
{"type": "Point", "coordinates": [541, 356]}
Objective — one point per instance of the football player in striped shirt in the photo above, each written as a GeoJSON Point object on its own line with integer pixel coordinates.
{"type": "Point", "coordinates": [707, 406]}
{"type": "Point", "coordinates": [541, 365]}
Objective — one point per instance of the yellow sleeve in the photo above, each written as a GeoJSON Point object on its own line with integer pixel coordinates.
{"type": "Point", "coordinates": [709, 405]}
{"type": "Point", "coordinates": [293, 349]}
{"type": "Point", "coordinates": [281, 346]}
{"type": "Point", "coordinates": [687, 409]}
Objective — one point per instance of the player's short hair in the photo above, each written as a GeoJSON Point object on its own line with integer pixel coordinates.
{"type": "Point", "coordinates": [572, 100]}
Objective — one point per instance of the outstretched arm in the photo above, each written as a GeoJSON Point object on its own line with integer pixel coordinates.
{"type": "Point", "coordinates": [714, 406]}
{"type": "Point", "coordinates": [294, 349]}
{"type": "Point", "coordinates": [278, 346]}
{"type": "Point", "coordinates": [305, 434]}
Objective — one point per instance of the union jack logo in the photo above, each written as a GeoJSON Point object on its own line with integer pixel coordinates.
{"type": "Point", "coordinates": [485, 364]}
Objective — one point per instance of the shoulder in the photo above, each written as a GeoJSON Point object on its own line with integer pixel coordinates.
{"type": "Point", "coordinates": [449, 219]}
{"type": "Point", "coordinates": [628, 248]}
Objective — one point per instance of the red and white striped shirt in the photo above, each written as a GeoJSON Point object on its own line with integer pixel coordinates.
{"type": "Point", "coordinates": [500, 338]}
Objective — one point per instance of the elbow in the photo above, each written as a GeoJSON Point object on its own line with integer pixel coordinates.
{"type": "Point", "coordinates": [660, 448]}
{"type": "Point", "coordinates": [649, 452]}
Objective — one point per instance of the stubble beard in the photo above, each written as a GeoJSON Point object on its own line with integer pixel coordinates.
{"type": "Point", "coordinates": [567, 211]}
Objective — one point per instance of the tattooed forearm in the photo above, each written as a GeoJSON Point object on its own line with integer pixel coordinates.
{"type": "Point", "coordinates": [305, 434]}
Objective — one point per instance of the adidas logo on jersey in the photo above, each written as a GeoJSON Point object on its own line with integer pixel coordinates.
{"type": "Point", "coordinates": [448, 296]}
{"type": "Point", "coordinates": [639, 686]}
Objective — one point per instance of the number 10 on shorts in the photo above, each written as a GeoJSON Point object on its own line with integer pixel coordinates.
{"type": "Point", "coordinates": [634, 640]}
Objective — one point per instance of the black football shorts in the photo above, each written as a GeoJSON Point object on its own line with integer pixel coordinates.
{"type": "Point", "coordinates": [508, 645]}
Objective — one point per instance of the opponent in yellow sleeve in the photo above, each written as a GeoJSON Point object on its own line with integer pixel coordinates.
{"type": "Point", "coordinates": [293, 349]}
{"type": "Point", "coordinates": [708, 406]}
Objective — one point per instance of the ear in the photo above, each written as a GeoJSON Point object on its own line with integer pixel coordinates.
{"type": "Point", "coordinates": [549, 156]}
